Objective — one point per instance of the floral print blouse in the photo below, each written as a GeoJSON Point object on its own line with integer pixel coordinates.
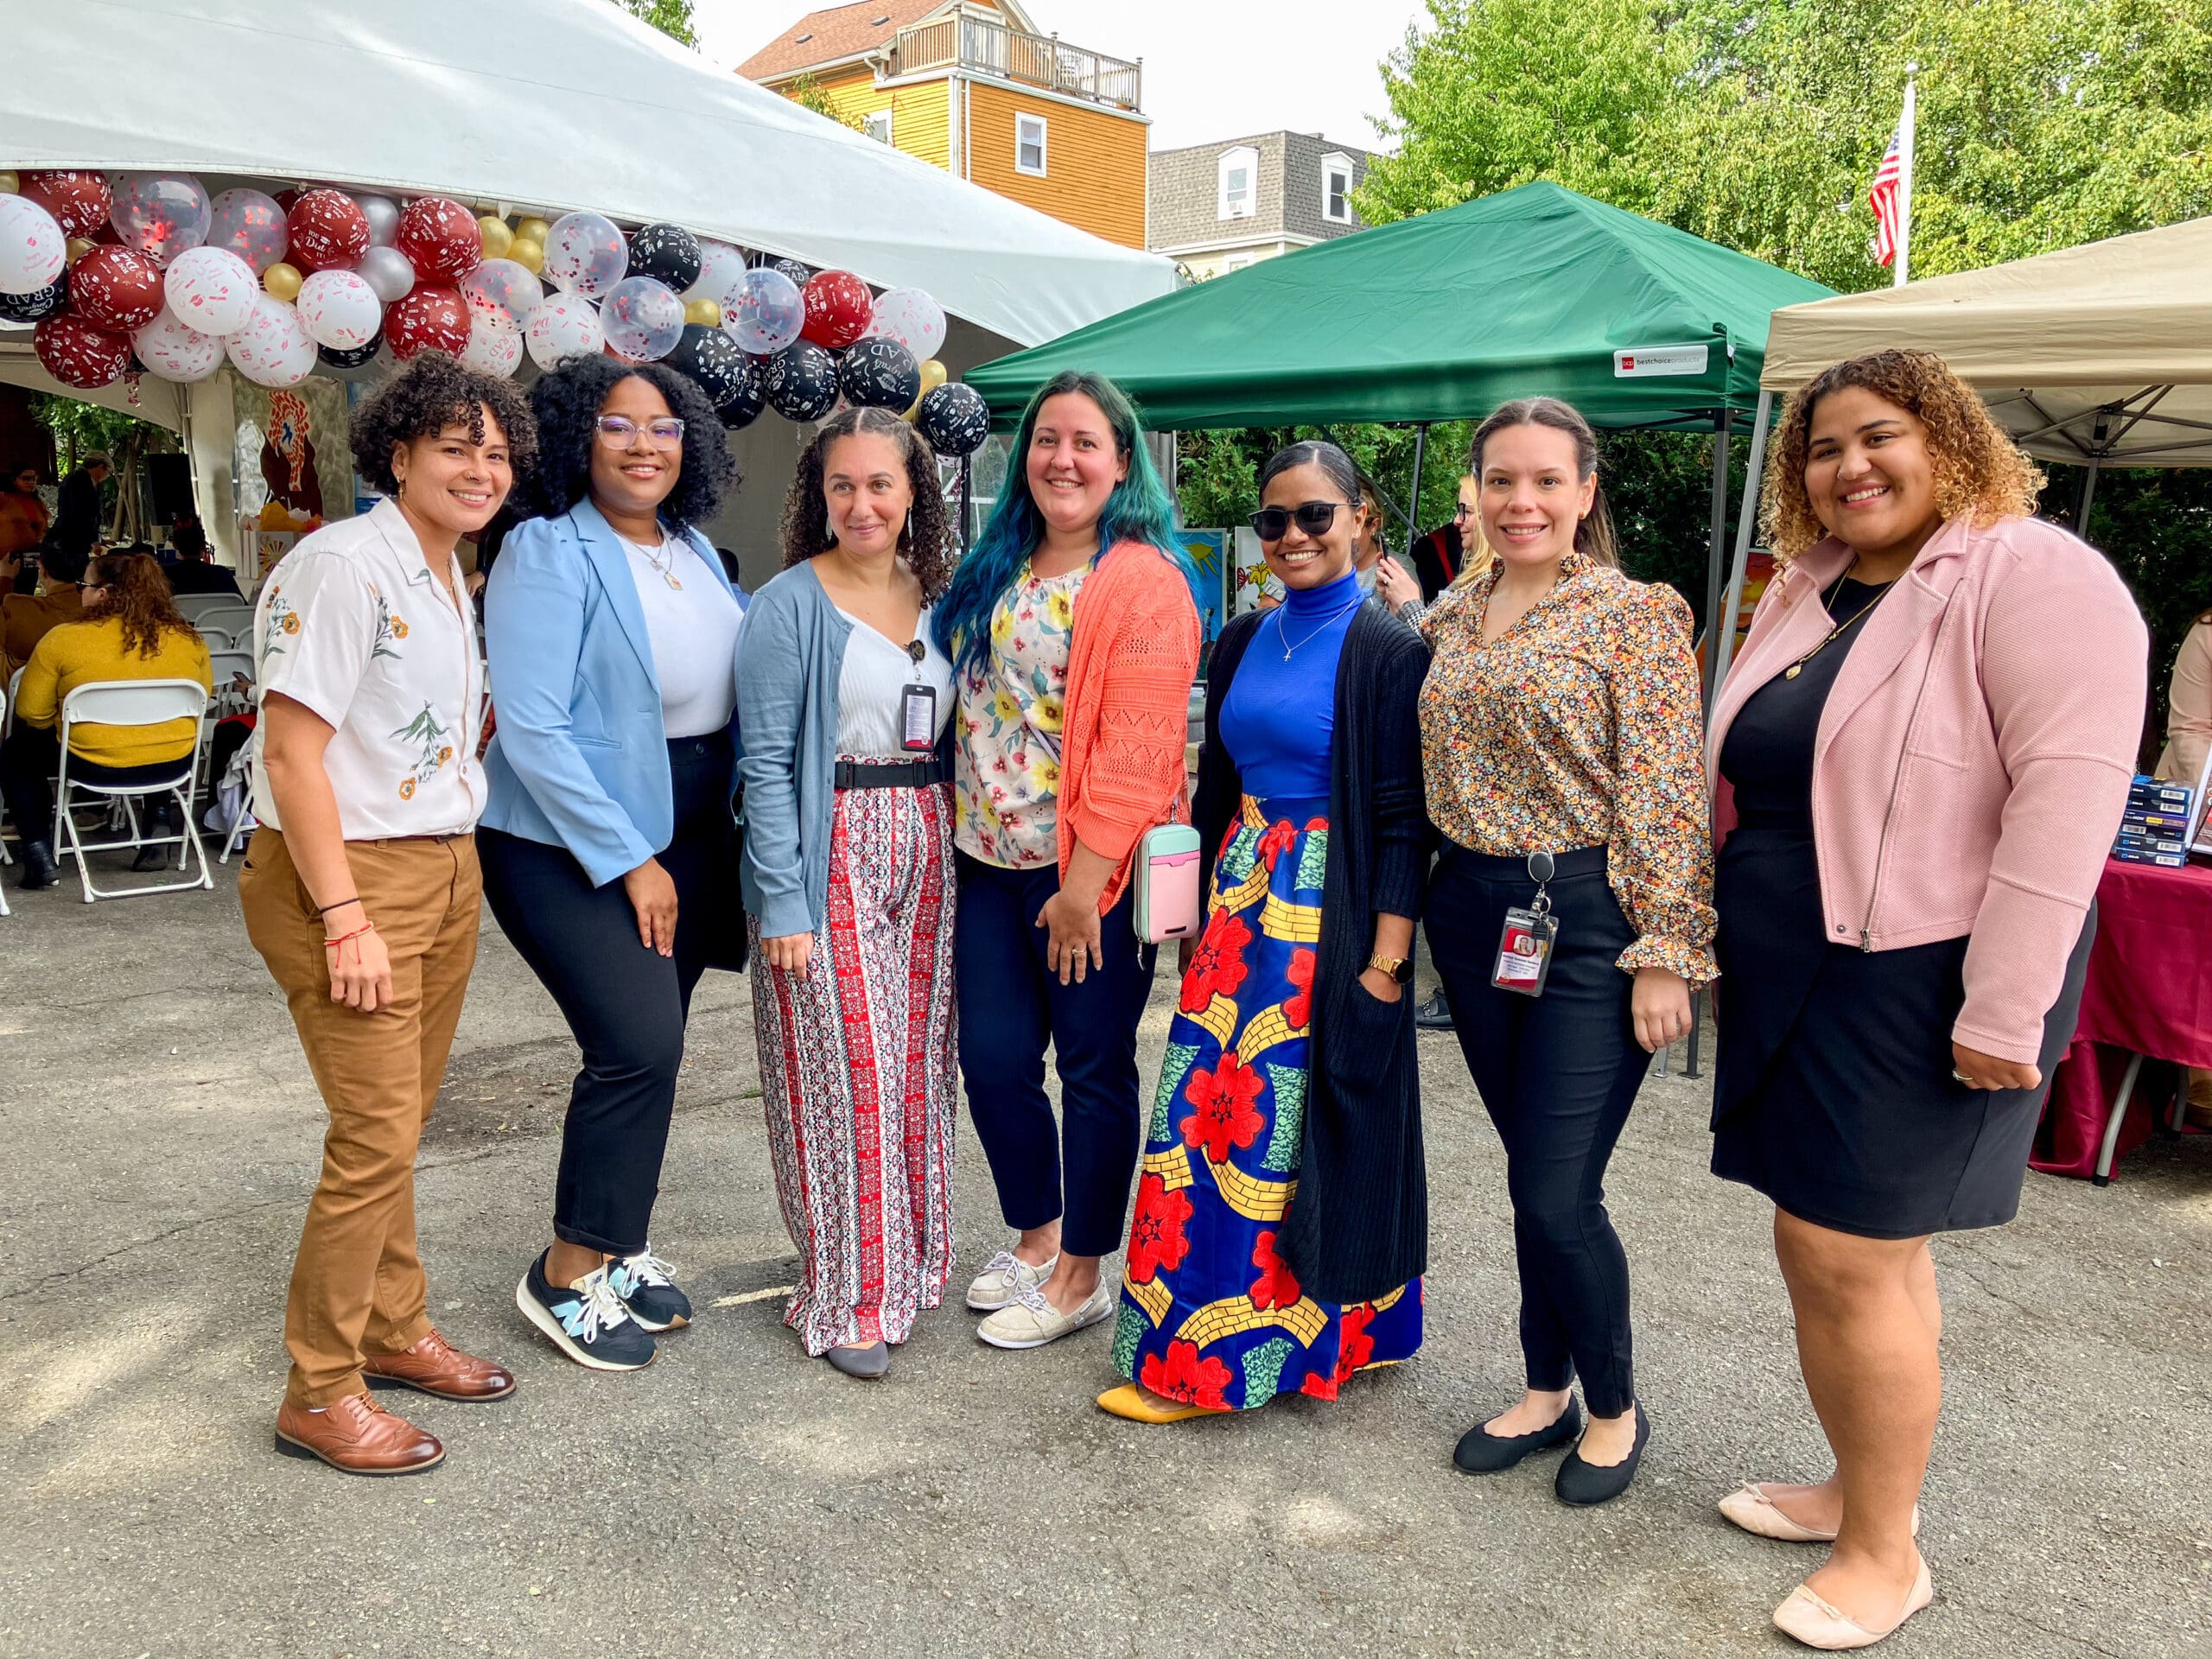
{"type": "Point", "coordinates": [1006, 770]}
{"type": "Point", "coordinates": [1579, 727]}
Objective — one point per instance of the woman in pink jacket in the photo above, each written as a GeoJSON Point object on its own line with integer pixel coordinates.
{"type": "Point", "coordinates": [1919, 760]}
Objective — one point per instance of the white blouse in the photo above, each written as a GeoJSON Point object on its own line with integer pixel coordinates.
{"type": "Point", "coordinates": [871, 692]}
{"type": "Point", "coordinates": [693, 624]}
{"type": "Point", "coordinates": [352, 626]}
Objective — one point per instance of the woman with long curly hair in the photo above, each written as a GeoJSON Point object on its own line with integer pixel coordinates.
{"type": "Point", "coordinates": [130, 630]}
{"type": "Point", "coordinates": [848, 876]}
{"type": "Point", "coordinates": [608, 840]}
{"type": "Point", "coordinates": [1918, 761]}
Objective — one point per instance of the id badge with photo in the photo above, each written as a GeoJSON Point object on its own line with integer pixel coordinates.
{"type": "Point", "coordinates": [917, 719]}
{"type": "Point", "coordinates": [1524, 951]}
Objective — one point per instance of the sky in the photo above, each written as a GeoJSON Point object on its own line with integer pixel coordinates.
{"type": "Point", "coordinates": [1213, 69]}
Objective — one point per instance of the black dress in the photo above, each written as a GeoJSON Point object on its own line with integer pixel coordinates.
{"type": "Point", "coordinates": [1833, 1094]}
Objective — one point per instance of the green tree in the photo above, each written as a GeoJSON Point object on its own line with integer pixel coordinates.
{"type": "Point", "coordinates": [671, 17]}
{"type": "Point", "coordinates": [809, 94]}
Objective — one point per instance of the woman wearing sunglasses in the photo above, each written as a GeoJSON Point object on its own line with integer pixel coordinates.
{"type": "Point", "coordinates": [1572, 909]}
{"type": "Point", "coordinates": [1281, 1223]}
{"type": "Point", "coordinates": [608, 847]}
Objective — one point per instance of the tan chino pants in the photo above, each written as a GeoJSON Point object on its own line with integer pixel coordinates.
{"type": "Point", "coordinates": [357, 1282]}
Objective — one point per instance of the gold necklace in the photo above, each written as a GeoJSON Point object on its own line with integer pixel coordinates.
{"type": "Point", "coordinates": [1798, 667]}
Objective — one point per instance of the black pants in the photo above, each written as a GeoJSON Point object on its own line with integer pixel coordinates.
{"type": "Point", "coordinates": [626, 1003]}
{"type": "Point", "coordinates": [1557, 1074]}
{"type": "Point", "coordinates": [29, 760]}
{"type": "Point", "coordinates": [1077, 1170]}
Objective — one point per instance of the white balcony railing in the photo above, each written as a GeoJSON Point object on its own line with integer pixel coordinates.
{"type": "Point", "coordinates": [1009, 54]}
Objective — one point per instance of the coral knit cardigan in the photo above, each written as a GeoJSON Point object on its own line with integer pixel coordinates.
{"type": "Point", "coordinates": [1135, 655]}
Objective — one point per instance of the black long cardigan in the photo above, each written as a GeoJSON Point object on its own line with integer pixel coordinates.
{"type": "Point", "coordinates": [1358, 1226]}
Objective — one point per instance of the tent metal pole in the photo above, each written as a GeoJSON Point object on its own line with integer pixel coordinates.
{"type": "Point", "coordinates": [1413, 508]}
{"type": "Point", "coordinates": [1717, 559]}
{"type": "Point", "coordinates": [1725, 640]}
{"type": "Point", "coordinates": [2089, 495]}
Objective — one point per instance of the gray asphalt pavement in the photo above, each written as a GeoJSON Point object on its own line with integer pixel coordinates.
{"type": "Point", "coordinates": [163, 1134]}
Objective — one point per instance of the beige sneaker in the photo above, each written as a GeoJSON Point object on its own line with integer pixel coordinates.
{"type": "Point", "coordinates": [1030, 1321]}
{"type": "Point", "coordinates": [1004, 1278]}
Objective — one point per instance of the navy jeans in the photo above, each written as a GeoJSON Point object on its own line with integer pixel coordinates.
{"type": "Point", "coordinates": [1077, 1170]}
{"type": "Point", "coordinates": [1557, 1074]}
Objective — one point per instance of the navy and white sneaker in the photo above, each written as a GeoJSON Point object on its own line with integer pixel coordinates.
{"type": "Point", "coordinates": [645, 1284]}
{"type": "Point", "coordinates": [587, 1320]}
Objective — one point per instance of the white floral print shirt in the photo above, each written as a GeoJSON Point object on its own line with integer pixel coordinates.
{"type": "Point", "coordinates": [1006, 770]}
{"type": "Point", "coordinates": [352, 626]}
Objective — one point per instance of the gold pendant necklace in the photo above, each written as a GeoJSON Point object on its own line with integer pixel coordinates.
{"type": "Point", "coordinates": [1798, 667]}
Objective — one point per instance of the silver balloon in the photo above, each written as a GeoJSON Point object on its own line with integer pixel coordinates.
{"type": "Point", "coordinates": [387, 270]}
{"type": "Point", "coordinates": [383, 215]}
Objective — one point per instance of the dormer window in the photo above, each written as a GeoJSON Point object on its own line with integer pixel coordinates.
{"type": "Point", "coordinates": [1237, 182]}
{"type": "Point", "coordinates": [1336, 190]}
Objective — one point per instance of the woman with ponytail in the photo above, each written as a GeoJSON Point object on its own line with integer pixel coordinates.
{"type": "Point", "coordinates": [1572, 910]}
{"type": "Point", "coordinates": [1073, 633]}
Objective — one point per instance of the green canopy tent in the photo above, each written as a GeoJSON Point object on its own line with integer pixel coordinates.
{"type": "Point", "coordinates": [1533, 290]}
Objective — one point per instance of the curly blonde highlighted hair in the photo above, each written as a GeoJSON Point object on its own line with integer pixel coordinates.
{"type": "Point", "coordinates": [1979, 470]}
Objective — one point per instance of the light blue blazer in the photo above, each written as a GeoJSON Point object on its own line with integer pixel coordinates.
{"type": "Point", "coordinates": [579, 758]}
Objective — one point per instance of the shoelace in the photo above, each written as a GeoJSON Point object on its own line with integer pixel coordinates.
{"type": "Point", "coordinates": [600, 1308]}
{"type": "Point", "coordinates": [1009, 1265]}
{"type": "Point", "coordinates": [643, 1268]}
{"type": "Point", "coordinates": [1033, 1299]}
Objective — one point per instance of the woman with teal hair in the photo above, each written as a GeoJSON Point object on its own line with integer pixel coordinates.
{"type": "Point", "coordinates": [1073, 631]}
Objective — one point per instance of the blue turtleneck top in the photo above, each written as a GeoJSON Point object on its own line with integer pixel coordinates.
{"type": "Point", "coordinates": [1278, 722]}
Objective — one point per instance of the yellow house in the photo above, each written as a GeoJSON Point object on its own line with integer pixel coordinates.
{"type": "Point", "coordinates": [973, 87]}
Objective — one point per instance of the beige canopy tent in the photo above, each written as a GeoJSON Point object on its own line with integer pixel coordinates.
{"type": "Point", "coordinates": [2098, 356]}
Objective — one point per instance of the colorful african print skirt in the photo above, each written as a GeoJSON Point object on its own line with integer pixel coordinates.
{"type": "Point", "coordinates": [1211, 1314]}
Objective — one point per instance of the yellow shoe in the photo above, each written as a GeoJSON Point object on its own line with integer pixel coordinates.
{"type": "Point", "coordinates": [1130, 1402]}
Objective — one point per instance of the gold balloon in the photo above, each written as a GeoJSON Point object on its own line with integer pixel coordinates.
{"type": "Point", "coordinates": [283, 281]}
{"type": "Point", "coordinates": [708, 313]}
{"type": "Point", "coordinates": [933, 376]}
{"type": "Point", "coordinates": [533, 230]}
{"type": "Point", "coordinates": [527, 252]}
{"type": "Point", "coordinates": [498, 238]}
{"type": "Point", "coordinates": [9, 185]}
{"type": "Point", "coordinates": [77, 247]}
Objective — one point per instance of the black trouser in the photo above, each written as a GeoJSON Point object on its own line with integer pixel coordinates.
{"type": "Point", "coordinates": [1557, 1074]}
{"type": "Point", "coordinates": [626, 1003]}
{"type": "Point", "coordinates": [29, 760]}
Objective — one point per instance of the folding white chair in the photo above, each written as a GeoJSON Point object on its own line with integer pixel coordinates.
{"type": "Point", "coordinates": [132, 703]}
{"type": "Point", "coordinates": [232, 619]}
{"type": "Point", "coordinates": [227, 668]}
{"type": "Point", "coordinates": [195, 606]}
{"type": "Point", "coordinates": [215, 639]}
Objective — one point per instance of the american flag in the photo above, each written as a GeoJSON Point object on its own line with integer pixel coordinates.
{"type": "Point", "coordinates": [1883, 199]}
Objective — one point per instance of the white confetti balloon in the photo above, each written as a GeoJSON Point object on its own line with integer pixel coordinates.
{"type": "Point", "coordinates": [173, 350]}
{"type": "Point", "coordinates": [566, 326]}
{"type": "Point", "coordinates": [642, 318]}
{"type": "Point", "coordinates": [383, 215]}
{"type": "Point", "coordinates": [338, 309]}
{"type": "Point", "coordinates": [389, 271]}
{"type": "Point", "coordinates": [766, 313]}
{"type": "Point", "coordinates": [250, 225]}
{"type": "Point", "coordinates": [212, 289]}
{"type": "Point", "coordinates": [33, 249]}
{"type": "Point", "coordinates": [911, 317]}
{"type": "Point", "coordinates": [504, 290]}
{"type": "Point", "coordinates": [585, 254]}
{"type": "Point", "coordinates": [721, 274]}
{"type": "Point", "coordinates": [494, 347]}
{"type": "Point", "coordinates": [272, 349]}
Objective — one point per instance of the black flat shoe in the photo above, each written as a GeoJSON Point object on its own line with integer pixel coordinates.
{"type": "Point", "coordinates": [1481, 1453]}
{"type": "Point", "coordinates": [1584, 1483]}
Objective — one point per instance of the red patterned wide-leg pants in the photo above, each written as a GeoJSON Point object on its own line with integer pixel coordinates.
{"type": "Point", "coordinates": [856, 1073]}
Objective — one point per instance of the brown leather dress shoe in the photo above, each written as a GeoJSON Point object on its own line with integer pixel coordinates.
{"type": "Point", "coordinates": [435, 1366]}
{"type": "Point", "coordinates": [357, 1435]}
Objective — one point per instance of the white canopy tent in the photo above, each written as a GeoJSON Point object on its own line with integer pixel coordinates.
{"type": "Point", "coordinates": [530, 106]}
{"type": "Point", "coordinates": [2098, 356]}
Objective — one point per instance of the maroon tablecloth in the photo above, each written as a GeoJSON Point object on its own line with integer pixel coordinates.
{"type": "Point", "coordinates": [2149, 992]}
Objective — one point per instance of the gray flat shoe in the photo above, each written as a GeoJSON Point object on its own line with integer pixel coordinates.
{"type": "Point", "coordinates": [870, 1364]}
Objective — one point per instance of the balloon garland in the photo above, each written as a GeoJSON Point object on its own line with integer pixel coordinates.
{"type": "Point", "coordinates": [130, 273]}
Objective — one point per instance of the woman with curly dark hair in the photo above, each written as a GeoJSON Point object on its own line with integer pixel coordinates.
{"type": "Point", "coordinates": [607, 845]}
{"type": "Point", "coordinates": [1918, 760]}
{"type": "Point", "coordinates": [361, 890]}
{"type": "Point", "coordinates": [847, 875]}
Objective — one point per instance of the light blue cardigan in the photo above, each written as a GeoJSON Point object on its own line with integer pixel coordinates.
{"type": "Point", "coordinates": [579, 756]}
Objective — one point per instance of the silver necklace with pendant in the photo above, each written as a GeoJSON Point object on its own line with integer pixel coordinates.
{"type": "Point", "coordinates": [663, 560]}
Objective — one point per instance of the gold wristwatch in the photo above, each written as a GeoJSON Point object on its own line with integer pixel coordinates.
{"type": "Point", "coordinates": [1399, 968]}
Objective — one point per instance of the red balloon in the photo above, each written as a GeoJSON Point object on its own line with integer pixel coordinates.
{"type": "Point", "coordinates": [116, 290]}
{"type": "Point", "coordinates": [839, 307]}
{"type": "Point", "coordinates": [329, 231]}
{"type": "Point", "coordinates": [78, 354]}
{"type": "Point", "coordinates": [427, 317]}
{"type": "Point", "coordinates": [441, 237]}
{"type": "Point", "coordinates": [78, 200]}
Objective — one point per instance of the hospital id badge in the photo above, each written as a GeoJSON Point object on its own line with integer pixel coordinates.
{"type": "Point", "coordinates": [1524, 952]}
{"type": "Point", "coordinates": [918, 718]}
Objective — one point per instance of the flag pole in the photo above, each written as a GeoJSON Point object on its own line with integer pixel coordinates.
{"type": "Point", "coordinates": [1905, 179]}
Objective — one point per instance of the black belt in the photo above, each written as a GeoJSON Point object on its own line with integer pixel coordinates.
{"type": "Point", "coordinates": [896, 774]}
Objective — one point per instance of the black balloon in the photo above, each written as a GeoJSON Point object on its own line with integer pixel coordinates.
{"type": "Point", "coordinates": [878, 373]}
{"type": "Point", "coordinates": [741, 409]}
{"type": "Point", "coordinates": [798, 271]}
{"type": "Point", "coordinates": [355, 358]}
{"type": "Point", "coordinates": [668, 252]}
{"type": "Point", "coordinates": [711, 358]}
{"type": "Point", "coordinates": [802, 382]}
{"type": "Point", "coordinates": [37, 305]}
{"type": "Point", "coordinates": [955, 419]}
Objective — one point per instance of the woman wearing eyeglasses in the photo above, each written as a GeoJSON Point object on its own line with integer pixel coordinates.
{"type": "Point", "coordinates": [1281, 1223]}
{"type": "Point", "coordinates": [608, 847]}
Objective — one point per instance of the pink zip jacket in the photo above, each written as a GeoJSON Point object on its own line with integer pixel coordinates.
{"type": "Point", "coordinates": [1973, 759]}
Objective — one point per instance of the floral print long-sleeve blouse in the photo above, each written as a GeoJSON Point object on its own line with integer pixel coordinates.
{"type": "Point", "coordinates": [1579, 727]}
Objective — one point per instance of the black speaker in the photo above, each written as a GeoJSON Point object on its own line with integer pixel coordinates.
{"type": "Point", "coordinates": [169, 477]}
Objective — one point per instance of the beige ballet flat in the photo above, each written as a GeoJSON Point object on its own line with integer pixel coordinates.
{"type": "Point", "coordinates": [1751, 1508]}
{"type": "Point", "coordinates": [1817, 1623]}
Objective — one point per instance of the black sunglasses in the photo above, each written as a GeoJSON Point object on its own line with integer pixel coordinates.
{"type": "Point", "coordinates": [1314, 517]}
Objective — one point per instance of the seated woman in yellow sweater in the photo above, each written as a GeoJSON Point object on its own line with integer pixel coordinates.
{"type": "Point", "coordinates": [131, 629]}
